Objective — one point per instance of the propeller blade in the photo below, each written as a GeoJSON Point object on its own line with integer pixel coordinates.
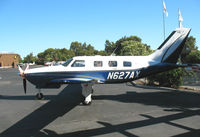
{"type": "Point", "coordinates": [20, 71]}
{"type": "Point", "coordinates": [24, 85]}
{"type": "Point", "coordinates": [27, 67]}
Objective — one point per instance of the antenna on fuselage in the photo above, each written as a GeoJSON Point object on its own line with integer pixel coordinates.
{"type": "Point", "coordinates": [113, 53]}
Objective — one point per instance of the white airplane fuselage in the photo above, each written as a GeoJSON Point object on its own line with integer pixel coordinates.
{"type": "Point", "coordinates": [97, 69]}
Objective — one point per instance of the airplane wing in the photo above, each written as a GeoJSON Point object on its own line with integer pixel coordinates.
{"type": "Point", "coordinates": [75, 80]}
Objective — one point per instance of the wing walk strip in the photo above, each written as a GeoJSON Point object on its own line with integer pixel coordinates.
{"type": "Point", "coordinates": [80, 76]}
{"type": "Point", "coordinates": [77, 79]}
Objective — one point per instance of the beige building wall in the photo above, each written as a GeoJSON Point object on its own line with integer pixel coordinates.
{"type": "Point", "coordinates": [9, 60]}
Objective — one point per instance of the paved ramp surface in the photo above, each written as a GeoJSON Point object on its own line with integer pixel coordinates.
{"type": "Point", "coordinates": [117, 110]}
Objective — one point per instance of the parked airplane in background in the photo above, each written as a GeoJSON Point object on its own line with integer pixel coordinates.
{"type": "Point", "coordinates": [90, 70]}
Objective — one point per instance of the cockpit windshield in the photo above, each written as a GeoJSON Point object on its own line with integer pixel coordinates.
{"type": "Point", "coordinates": [67, 62]}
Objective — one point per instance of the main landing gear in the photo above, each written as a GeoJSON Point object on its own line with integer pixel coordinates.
{"type": "Point", "coordinates": [87, 91]}
{"type": "Point", "coordinates": [39, 95]}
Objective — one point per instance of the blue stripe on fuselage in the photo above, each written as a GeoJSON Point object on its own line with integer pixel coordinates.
{"type": "Point", "coordinates": [113, 76]}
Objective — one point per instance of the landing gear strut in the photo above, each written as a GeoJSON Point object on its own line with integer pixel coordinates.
{"type": "Point", "coordinates": [39, 95]}
{"type": "Point", "coordinates": [87, 91]}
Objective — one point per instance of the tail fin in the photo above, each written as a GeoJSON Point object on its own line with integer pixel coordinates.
{"type": "Point", "coordinates": [170, 50]}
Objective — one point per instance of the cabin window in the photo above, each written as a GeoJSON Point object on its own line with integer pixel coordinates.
{"type": "Point", "coordinates": [127, 64]}
{"type": "Point", "coordinates": [98, 63]}
{"type": "Point", "coordinates": [67, 62]}
{"type": "Point", "coordinates": [79, 63]}
{"type": "Point", "coordinates": [112, 63]}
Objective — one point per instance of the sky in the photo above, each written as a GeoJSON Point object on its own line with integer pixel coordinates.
{"type": "Point", "coordinates": [34, 25]}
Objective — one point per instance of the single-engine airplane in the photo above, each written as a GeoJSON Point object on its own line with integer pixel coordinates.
{"type": "Point", "coordinates": [90, 70]}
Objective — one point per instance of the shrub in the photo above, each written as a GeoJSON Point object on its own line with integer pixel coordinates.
{"type": "Point", "coordinates": [172, 78]}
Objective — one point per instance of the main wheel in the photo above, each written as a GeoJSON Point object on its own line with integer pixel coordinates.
{"type": "Point", "coordinates": [39, 96]}
{"type": "Point", "coordinates": [86, 103]}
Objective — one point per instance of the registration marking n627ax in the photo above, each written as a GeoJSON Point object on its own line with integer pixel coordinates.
{"type": "Point", "coordinates": [123, 75]}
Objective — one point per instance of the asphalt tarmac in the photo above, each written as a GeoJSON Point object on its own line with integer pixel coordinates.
{"type": "Point", "coordinates": [117, 110]}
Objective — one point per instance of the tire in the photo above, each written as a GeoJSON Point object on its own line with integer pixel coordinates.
{"type": "Point", "coordinates": [87, 103]}
{"type": "Point", "coordinates": [39, 96]}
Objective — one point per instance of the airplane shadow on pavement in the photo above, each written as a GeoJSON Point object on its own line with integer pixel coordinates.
{"type": "Point", "coordinates": [65, 101]}
{"type": "Point", "coordinates": [122, 128]}
{"type": "Point", "coordinates": [165, 98]}
{"type": "Point", "coordinates": [25, 97]}
{"type": "Point", "coordinates": [70, 97]}
{"type": "Point", "coordinates": [182, 103]}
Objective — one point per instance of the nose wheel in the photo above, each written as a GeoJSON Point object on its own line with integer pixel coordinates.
{"type": "Point", "coordinates": [39, 95]}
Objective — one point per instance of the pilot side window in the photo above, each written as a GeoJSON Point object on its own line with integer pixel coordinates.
{"type": "Point", "coordinates": [112, 63]}
{"type": "Point", "coordinates": [79, 63]}
{"type": "Point", "coordinates": [127, 64]}
{"type": "Point", "coordinates": [98, 63]}
{"type": "Point", "coordinates": [67, 62]}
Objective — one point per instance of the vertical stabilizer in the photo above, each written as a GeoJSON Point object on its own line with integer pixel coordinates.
{"type": "Point", "coordinates": [170, 50]}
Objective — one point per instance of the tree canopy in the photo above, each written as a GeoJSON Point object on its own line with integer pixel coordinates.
{"type": "Point", "coordinates": [132, 46]}
{"type": "Point", "coordinates": [54, 55]}
{"type": "Point", "coordinates": [190, 46]}
{"type": "Point", "coordinates": [29, 58]}
{"type": "Point", "coordinates": [193, 57]}
{"type": "Point", "coordinates": [80, 49]}
{"type": "Point", "coordinates": [124, 46]}
{"type": "Point", "coordinates": [51, 54]}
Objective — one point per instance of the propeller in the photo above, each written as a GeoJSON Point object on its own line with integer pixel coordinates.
{"type": "Point", "coordinates": [24, 85]}
{"type": "Point", "coordinates": [22, 74]}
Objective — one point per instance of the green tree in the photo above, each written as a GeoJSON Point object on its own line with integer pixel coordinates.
{"type": "Point", "coordinates": [109, 47]}
{"type": "Point", "coordinates": [75, 47]}
{"type": "Point", "coordinates": [66, 54]}
{"type": "Point", "coordinates": [119, 46]}
{"type": "Point", "coordinates": [20, 59]}
{"type": "Point", "coordinates": [193, 57]}
{"type": "Point", "coordinates": [101, 53]}
{"type": "Point", "coordinates": [41, 58]}
{"type": "Point", "coordinates": [127, 46]}
{"type": "Point", "coordinates": [190, 45]}
{"type": "Point", "coordinates": [134, 48]}
{"type": "Point", "coordinates": [29, 58]}
{"type": "Point", "coordinates": [54, 55]}
{"type": "Point", "coordinates": [82, 49]}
